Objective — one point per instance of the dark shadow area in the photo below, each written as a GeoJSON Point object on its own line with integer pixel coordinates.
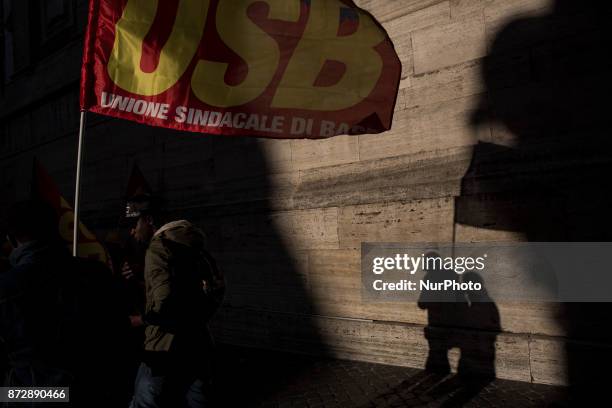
{"type": "Point", "coordinates": [57, 327]}
{"type": "Point", "coordinates": [476, 368]}
{"type": "Point", "coordinates": [445, 309]}
{"type": "Point", "coordinates": [464, 320]}
{"type": "Point", "coordinates": [267, 305]}
{"type": "Point", "coordinates": [261, 375]}
{"type": "Point", "coordinates": [228, 193]}
{"type": "Point", "coordinates": [543, 172]}
{"type": "Point", "coordinates": [293, 380]}
{"type": "Point", "coordinates": [267, 297]}
{"type": "Point", "coordinates": [223, 185]}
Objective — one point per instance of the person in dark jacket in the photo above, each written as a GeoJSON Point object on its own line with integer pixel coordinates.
{"type": "Point", "coordinates": [30, 305]}
{"type": "Point", "coordinates": [183, 288]}
{"type": "Point", "coordinates": [57, 326]}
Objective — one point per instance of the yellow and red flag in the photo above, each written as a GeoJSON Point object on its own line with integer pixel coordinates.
{"type": "Point", "coordinates": [44, 188]}
{"type": "Point", "coordinates": [268, 68]}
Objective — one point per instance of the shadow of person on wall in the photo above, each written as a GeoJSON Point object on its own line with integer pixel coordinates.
{"type": "Point", "coordinates": [476, 368]}
{"type": "Point", "coordinates": [548, 86]}
{"type": "Point", "coordinates": [465, 320]}
{"type": "Point", "coordinates": [445, 309]}
{"type": "Point", "coordinates": [478, 353]}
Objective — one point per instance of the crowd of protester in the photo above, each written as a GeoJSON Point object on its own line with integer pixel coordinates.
{"type": "Point", "coordinates": [133, 333]}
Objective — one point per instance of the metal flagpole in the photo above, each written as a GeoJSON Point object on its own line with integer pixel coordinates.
{"type": "Point", "coordinates": [77, 189]}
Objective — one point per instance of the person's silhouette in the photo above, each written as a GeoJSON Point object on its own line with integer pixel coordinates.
{"type": "Point", "coordinates": [478, 352]}
{"type": "Point", "coordinates": [476, 367]}
{"type": "Point", "coordinates": [445, 309]}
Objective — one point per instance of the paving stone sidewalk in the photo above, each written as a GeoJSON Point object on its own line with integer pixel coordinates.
{"type": "Point", "coordinates": [255, 378]}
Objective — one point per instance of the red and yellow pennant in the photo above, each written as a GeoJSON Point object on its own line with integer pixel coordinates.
{"type": "Point", "coordinates": [44, 188]}
{"type": "Point", "coordinates": [269, 68]}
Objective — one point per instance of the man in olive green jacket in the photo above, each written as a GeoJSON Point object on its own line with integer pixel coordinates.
{"type": "Point", "coordinates": [183, 289]}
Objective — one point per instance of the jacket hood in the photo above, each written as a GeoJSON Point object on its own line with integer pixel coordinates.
{"type": "Point", "coordinates": [184, 233]}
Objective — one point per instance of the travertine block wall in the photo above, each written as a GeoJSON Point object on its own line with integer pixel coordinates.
{"type": "Point", "coordinates": [286, 217]}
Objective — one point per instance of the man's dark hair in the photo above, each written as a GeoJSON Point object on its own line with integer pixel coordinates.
{"type": "Point", "coordinates": [32, 219]}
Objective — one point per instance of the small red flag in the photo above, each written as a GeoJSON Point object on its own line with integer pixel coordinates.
{"type": "Point", "coordinates": [44, 188]}
{"type": "Point", "coordinates": [137, 185]}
